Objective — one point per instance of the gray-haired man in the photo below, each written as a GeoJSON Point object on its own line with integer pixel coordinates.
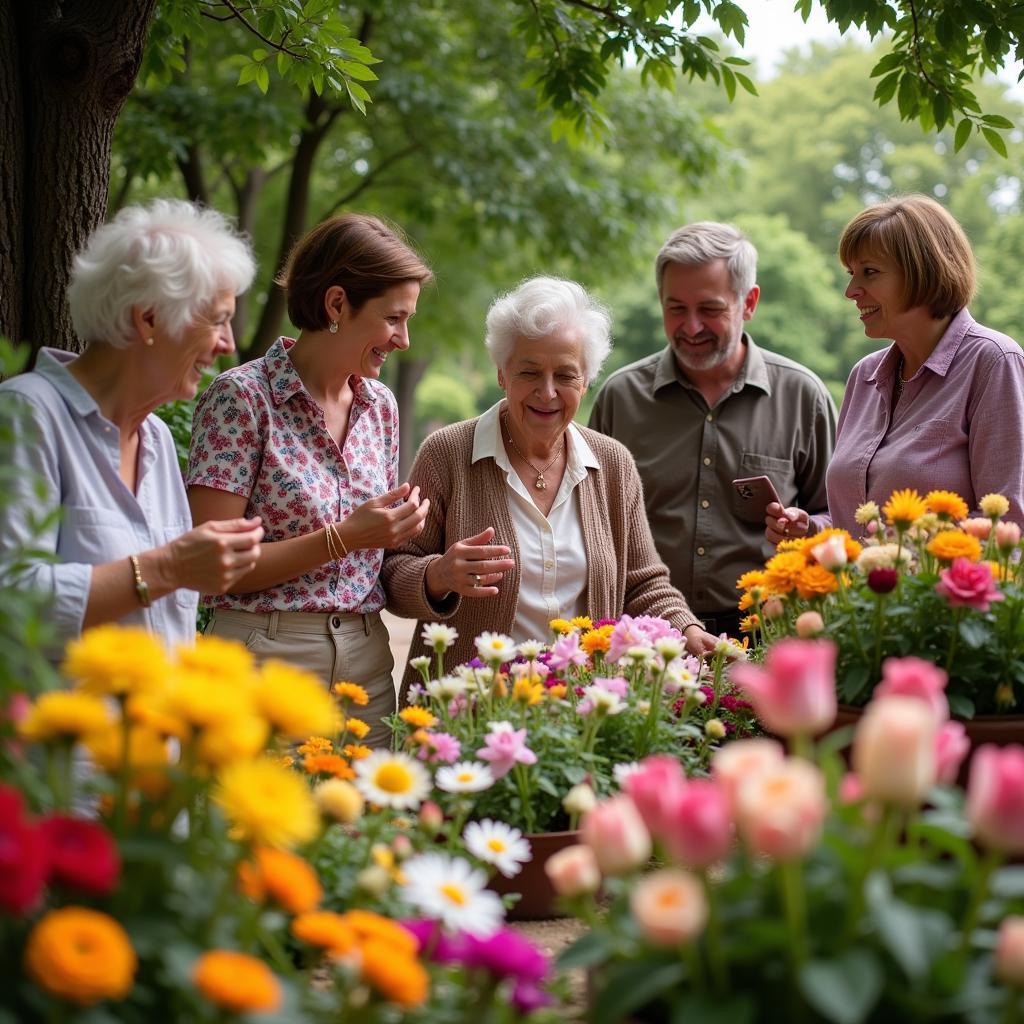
{"type": "Point", "coordinates": [712, 407]}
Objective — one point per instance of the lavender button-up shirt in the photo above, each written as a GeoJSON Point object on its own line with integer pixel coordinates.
{"type": "Point", "coordinates": [959, 425]}
{"type": "Point", "coordinates": [66, 446]}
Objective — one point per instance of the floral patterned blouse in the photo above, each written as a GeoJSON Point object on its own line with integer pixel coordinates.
{"type": "Point", "coordinates": [258, 433]}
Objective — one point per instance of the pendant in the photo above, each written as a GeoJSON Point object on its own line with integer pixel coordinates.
{"type": "Point", "coordinates": [540, 483]}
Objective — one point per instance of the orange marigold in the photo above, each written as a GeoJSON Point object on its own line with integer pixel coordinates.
{"type": "Point", "coordinates": [557, 692]}
{"type": "Point", "coordinates": [952, 544]}
{"type": "Point", "coordinates": [237, 982]}
{"type": "Point", "coordinates": [946, 505]}
{"type": "Point", "coordinates": [370, 926]}
{"type": "Point", "coordinates": [597, 639]}
{"type": "Point", "coordinates": [328, 764]}
{"type": "Point", "coordinates": [754, 578]}
{"type": "Point", "coordinates": [356, 751]}
{"type": "Point", "coordinates": [781, 571]}
{"type": "Point", "coordinates": [357, 727]}
{"type": "Point", "coordinates": [327, 930]}
{"type": "Point", "coordinates": [815, 581]}
{"type": "Point", "coordinates": [418, 718]}
{"type": "Point", "coordinates": [399, 979]}
{"type": "Point", "coordinates": [749, 623]}
{"type": "Point", "coordinates": [353, 692]}
{"type": "Point", "coordinates": [903, 507]}
{"type": "Point", "coordinates": [80, 955]}
{"type": "Point", "coordinates": [746, 601]}
{"type": "Point", "coordinates": [315, 745]}
{"type": "Point", "coordinates": [283, 877]}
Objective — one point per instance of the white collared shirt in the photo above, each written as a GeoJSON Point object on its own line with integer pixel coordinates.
{"type": "Point", "coordinates": [553, 561]}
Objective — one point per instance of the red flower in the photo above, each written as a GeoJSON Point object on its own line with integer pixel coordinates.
{"type": "Point", "coordinates": [23, 859]}
{"type": "Point", "coordinates": [82, 854]}
{"type": "Point", "coordinates": [882, 580]}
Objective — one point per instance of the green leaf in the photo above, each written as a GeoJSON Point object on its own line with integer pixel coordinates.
{"type": "Point", "coordinates": [701, 1008]}
{"type": "Point", "coordinates": [262, 78]}
{"type": "Point", "coordinates": [913, 935]}
{"type": "Point", "coordinates": [973, 632]}
{"type": "Point", "coordinates": [746, 83]}
{"type": "Point", "coordinates": [588, 950]}
{"type": "Point", "coordinates": [844, 989]}
{"type": "Point", "coordinates": [729, 81]}
{"type": "Point", "coordinates": [963, 133]}
{"type": "Point", "coordinates": [997, 121]}
{"type": "Point", "coordinates": [358, 71]}
{"type": "Point", "coordinates": [1008, 883]}
{"type": "Point", "coordinates": [994, 139]}
{"type": "Point", "coordinates": [629, 986]}
{"type": "Point", "coordinates": [886, 88]}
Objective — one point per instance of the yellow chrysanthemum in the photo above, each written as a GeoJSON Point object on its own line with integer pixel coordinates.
{"type": "Point", "coordinates": [753, 578]}
{"type": "Point", "coordinates": [328, 764]}
{"type": "Point", "coordinates": [952, 544]}
{"type": "Point", "coordinates": [61, 715]}
{"type": "Point", "coordinates": [280, 877]}
{"type": "Point", "coordinates": [148, 756]}
{"type": "Point", "coordinates": [149, 711]}
{"type": "Point", "coordinates": [853, 547]}
{"type": "Point", "coordinates": [237, 982]}
{"type": "Point", "coordinates": [326, 930]}
{"type": "Point", "coordinates": [286, 761]}
{"type": "Point", "coordinates": [746, 601]}
{"type": "Point", "coordinates": [866, 513]}
{"type": "Point", "coordinates": [81, 955]}
{"type": "Point", "coordinates": [204, 702]}
{"type": "Point", "coordinates": [238, 739]}
{"type": "Point", "coordinates": [294, 701]}
{"type": "Point", "coordinates": [315, 745]}
{"type": "Point", "coordinates": [557, 692]}
{"type": "Point", "coordinates": [351, 692]}
{"type": "Point", "coordinates": [815, 581]}
{"type": "Point", "coordinates": [525, 692]}
{"type": "Point", "coordinates": [946, 505]}
{"type": "Point", "coordinates": [217, 657]}
{"type": "Point", "coordinates": [789, 544]}
{"type": "Point", "coordinates": [418, 718]}
{"type": "Point", "coordinates": [781, 571]}
{"type": "Point", "coordinates": [903, 508]}
{"type": "Point", "coordinates": [994, 506]}
{"type": "Point", "coordinates": [582, 622]}
{"type": "Point", "coordinates": [560, 626]}
{"type": "Point", "coordinates": [357, 751]}
{"type": "Point", "coordinates": [749, 623]}
{"type": "Point", "coordinates": [339, 800]}
{"type": "Point", "coordinates": [596, 639]}
{"type": "Point", "coordinates": [1000, 571]}
{"type": "Point", "coordinates": [359, 729]}
{"type": "Point", "coordinates": [116, 661]}
{"type": "Point", "coordinates": [267, 804]}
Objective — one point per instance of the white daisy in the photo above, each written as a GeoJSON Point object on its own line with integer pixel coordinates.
{"type": "Point", "coordinates": [495, 647]}
{"type": "Point", "coordinates": [499, 844]}
{"type": "Point", "coordinates": [531, 649]}
{"type": "Point", "coordinates": [438, 637]}
{"type": "Point", "coordinates": [603, 701]}
{"type": "Point", "coordinates": [669, 648]}
{"type": "Point", "coordinates": [446, 688]}
{"type": "Point", "coordinates": [623, 772]}
{"type": "Point", "coordinates": [420, 664]}
{"type": "Point", "coordinates": [465, 777]}
{"type": "Point", "coordinates": [392, 779]}
{"type": "Point", "coordinates": [638, 655]}
{"type": "Point", "coordinates": [450, 890]}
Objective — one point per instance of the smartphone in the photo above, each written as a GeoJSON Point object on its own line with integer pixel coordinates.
{"type": "Point", "coordinates": [758, 490]}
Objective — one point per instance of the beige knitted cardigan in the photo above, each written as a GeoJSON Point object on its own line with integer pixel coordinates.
{"type": "Point", "coordinates": [624, 573]}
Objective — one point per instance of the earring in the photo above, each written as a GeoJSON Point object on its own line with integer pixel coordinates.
{"type": "Point", "coordinates": [334, 327]}
{"type": "Point", "coordinates": [150, 340]}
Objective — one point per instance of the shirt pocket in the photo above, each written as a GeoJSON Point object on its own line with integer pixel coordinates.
{"type": "Point", "coordinates": [779, 471]}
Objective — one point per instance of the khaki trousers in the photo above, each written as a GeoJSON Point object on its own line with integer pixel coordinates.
{"type": "Point", "coordinates": [336, 646]}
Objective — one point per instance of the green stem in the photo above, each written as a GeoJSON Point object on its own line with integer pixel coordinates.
{"type": "Point", "coordinates": [692, 957]}
{"type": "Point", "coordinates": [1011, 1011]}
{"type": "Point", "coordinates": [957, 616]}
{"type": "Point", "coordinates": [989, 863]}
{"type": "Point", "coordinates": [795, 906]}
{"type": "Point", "coordinates": [713, 938]}
{"type": "Point", "coordinates": [650, 731]}
{"type": "Point", "coordinates": [716, 684]}
{"type": "Point", "coordinates": [524, 796]}
{"type": "Point", "coordinates": [879, 840]}
{"type": "Point", "coordinates": [801, 746]}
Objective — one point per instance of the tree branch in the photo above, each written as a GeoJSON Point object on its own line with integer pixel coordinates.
{"type": "Point", "coordinates": [917, 49]}
{"type": "Point", "coordinates": [606, 12]}
{"type": "Point", "coordinates": [237, 14]}
{"type": "Point", "coordinates": [370, 178]}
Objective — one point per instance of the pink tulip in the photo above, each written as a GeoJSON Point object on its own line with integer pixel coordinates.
{"type": "Point", "coordinates": [699, 830]}
{"type": "Point", "coordinates": [979, 528]}
{"type": "Point", "coordinates": [740, 760]}
{"type": "Point", "coordinates": [894, 750]}
{"type": "Point", "coordinates": [1010, 952]}
{"type": "Point", "coordinates": [995, 797]}
{"type": "Point", "coordinates": [915, 677]}
{"type": "Point", "coordinates": [794, 694]}
{"type": "Point", "coordinates": [782, 810]}
{"type": "Point", "coordinates": [653, 788]}
{"type": "Point", "coordinates": [967, 584]}
{"type": "Point", "coordinates": [669, 907]}
{"type": "Point", "coordinates": [830, 553]}
{"type": "Point", "coordinates": [616, 833]}
{"type": "Point", "coordinates": [951, 747]}
{"type": "Point", "coordinates": [573, 870]}
{"type": "Point", "coordinates": [1007, 536]}
{"type": "Point", "coordinates": [809, 625]}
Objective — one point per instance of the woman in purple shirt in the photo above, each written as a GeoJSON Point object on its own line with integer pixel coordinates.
{"type": "Point", "coordinates": [943, 407]}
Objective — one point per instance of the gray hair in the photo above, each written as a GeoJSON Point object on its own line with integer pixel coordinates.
{"type": "Point", "coordinates": [170, 256]}
{"type": "Point", "coordinates": [542, 305]}
{"type": "Point", "coordinates": [705, 241]}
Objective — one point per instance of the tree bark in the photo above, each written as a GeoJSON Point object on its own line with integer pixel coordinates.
{"type": "Point", "coordinates": [410, 373]}
{"type": "Point", "coordinates": [73, 64]}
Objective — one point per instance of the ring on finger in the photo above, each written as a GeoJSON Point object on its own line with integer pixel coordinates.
{"type": "Point", "coordinates": [476, 578]}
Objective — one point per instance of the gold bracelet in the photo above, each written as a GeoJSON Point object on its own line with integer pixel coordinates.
{"type": "Point", "coordinates": [332, 553]}
{"type": "Point", "coordinates": [332, 529]}
{"type": "Point", "coordinates": [140, 584]}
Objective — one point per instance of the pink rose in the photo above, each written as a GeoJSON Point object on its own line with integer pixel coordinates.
{"type": "Point", "coordinates": [740, 760]}
{"type": "Point", "coordinates": [995, 797]}
{"type": "Point", "coordinates": [1010, 952]}
{"type": "Point", "coordinates": [669, 907]}
{"type": "Point", "coordinates": [830, 553]}
{"type": "Point", "coordinates": [979, 528]}
{"type": "Point", "coordinates": [782, 810]}
{"type": "Point", "coordinates": [653, 788]}
{"type": "Point", "coordinates": [795, 692]}
{"type": "Point", "coordinates": [699, 830]}
{"type": "Point", "coordinates": [573, 870]}
{"type": "Point", "coordinates": [616, 833]}
{"type": "Point", "coordinates": [894, 750]}
{"type": "Point", "coordinates": [951, 747]}
{"type": "Point", "coordinates": [967, 584]}
{"type": "Point", "coordinates": [915, 677]}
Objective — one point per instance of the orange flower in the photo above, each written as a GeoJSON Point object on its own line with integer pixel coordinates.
{"type": "Point", "coordinates": [853, 547]}
{"type": "Point", "coordinates": [315, 745]}
{"type": "Point", "coordinates": [903, 508]}
{"type": "Point", "coordinates": [946, 505]}
{"type": "Point", "coordinates": [418, 718]}
{"type": "Point", "coordinates": [368, 925]}
{"type": "Point", "coordinates": [749, 624]}
{"type": "Point", "coordinates": [557, 692]}
{"type": "Point", "coordinates": [399, 979]}
{"type": "Point", "coordinates": [328, 764]}
{"type": "Point", "coordinates": [327, 930]}
{"type": "Point", "coordinates": [236, 982]}
{"type": "Point", "coordinates": [357, 727]}
{"type": "Point", "coordinates": [815, 581]}
{"type": "Point", "coordinates": [526, 692]}
{"type": "Point", "coordinates": [950, 544]}
{"type": "Point", "coordinates": [353, 692]}
{"type": "Point", "coordinates": [754, 578]}
{"type": "Point", "coordinates": [781, 571]}
{"type": "Point", "coordinates": [356, 751]}
{"type": "Point", "coordinates": [283, 877]}
{"type": "Point", "coordinates": [597, 639]}
{"type": "Point", "coordinates": [746, 601]}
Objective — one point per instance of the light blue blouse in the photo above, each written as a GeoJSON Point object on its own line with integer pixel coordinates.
{"type": "Point", "coordinates": [66, 455]}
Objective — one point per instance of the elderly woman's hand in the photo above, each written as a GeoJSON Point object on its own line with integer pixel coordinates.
{"type": "Point", "coordinates": [699, 641]}
{"type": "Point", "coordinates": [782, 523]}
{"type": "Point", "coordinates": [471, 567]}
{"type": "Point", "coordinates": [375, 524]}
{"type": "Point", "coordinates": [212, 557]}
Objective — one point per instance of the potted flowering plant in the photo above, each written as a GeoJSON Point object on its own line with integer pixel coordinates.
{"type": "Point", "coordinates": [926, 581]}
{"type": "Point", "coordinates": [787, 888]}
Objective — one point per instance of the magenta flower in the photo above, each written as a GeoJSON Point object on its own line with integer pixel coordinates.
{"type": "Point", "coordinates": [506, 954]}
{"type": "Point", "coordinates": [504, 747]}
{"type": "Point", "coordinates": [566, 651]}
{"type": "Point", "coordinates": [967, 584]}
{"type": "Point", "coordinates": [882, 580]}
{"type": "Point", "coordinates": [442, 748]}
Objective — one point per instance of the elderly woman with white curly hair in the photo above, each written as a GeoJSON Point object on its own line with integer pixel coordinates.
{"type": "Point", "coordinates": [152, 295]}
{"type": "Point", "coordinates": [533, 517]}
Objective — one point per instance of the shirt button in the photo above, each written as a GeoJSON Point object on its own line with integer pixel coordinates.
{"type": "Point", "coordinates": [705, 503]}
{"type": "Point", "coordinates": [549, 565]}
{"type": "Point", "coordinates": [700, 551]}
{"type": "Point", "coordinates": [707, 461]}
{"type": "Point", "coordinates": [709, 417]}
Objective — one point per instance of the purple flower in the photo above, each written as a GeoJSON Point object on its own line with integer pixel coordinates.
{"type": "Point", "coordinates": [504, 747]}
{"type": "Point", "coordinates": [506, 954]}
{"type": "Point", "coordinates": [527, 997]}
{"type": "Point", "coordinates": [442, 748]}
{"type": "Point", "coordinates": [435, 944]}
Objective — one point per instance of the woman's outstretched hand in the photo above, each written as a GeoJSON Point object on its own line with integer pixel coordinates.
{"type": "Point", "coordinates": [376, 524]}
{"type": "Point", "coordinates": [472, 567]}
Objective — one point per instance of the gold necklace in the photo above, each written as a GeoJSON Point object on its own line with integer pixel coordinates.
{"type": "Point", "coordinates": [898, 381]}
{"type": "Point", "coordinates": [540, 483]}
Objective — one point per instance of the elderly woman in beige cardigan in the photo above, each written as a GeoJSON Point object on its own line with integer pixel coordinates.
{"type": "Point", "coordinates": [533, 517]}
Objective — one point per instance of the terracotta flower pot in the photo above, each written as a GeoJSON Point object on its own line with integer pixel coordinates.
{"type": "Point", "coordinates": [537, 897]}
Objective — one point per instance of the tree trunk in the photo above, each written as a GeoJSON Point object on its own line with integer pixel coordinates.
{"type": "Point", "coordinates": [410, 373]}
{"type": "Point", "coordinates": [246, 195]}
{"type": "Point", "coordinates": [67, 69]}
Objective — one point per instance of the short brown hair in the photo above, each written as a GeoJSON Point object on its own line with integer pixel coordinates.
{"type": "Point", "coordinates": [362, 254]}
{"type": "Point", "coordinates": [924, 240]}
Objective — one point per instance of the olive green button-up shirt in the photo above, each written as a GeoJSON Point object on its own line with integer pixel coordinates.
{"type": "Point", "coordinates": [777, 420]}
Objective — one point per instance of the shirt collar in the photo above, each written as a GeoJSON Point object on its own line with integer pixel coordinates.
{"type": "Point", "coordinates": [52, 364]}
{"type": "Point", "coordinates": [487, 444]}
{"type": "Point", "coordinates": [286, 382]}
{"type": "Point", "coordinates": [753, 371]}
{"type": "Point", "coordinates": [940, 359]}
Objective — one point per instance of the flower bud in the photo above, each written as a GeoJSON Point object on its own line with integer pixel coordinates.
{"type": "Point", "coordinates": [809, 625]}
{"type": "Point", "coordinates": [979, 528]}
{"type": "Point", "coordinates": [773, 607]}
{"type": "Point", "coordinates": [430, 818]}
{"type": "Point", "coordinates": [883, 581]}
{"type": "Point", "coordinates": [375, 879]}
{"type": "Point", "coordinates": [1010, 952]}
{"type": "Point", "coordinates": [573, 871]}
{"type": "Point", "coordinates": [401, 846]}
{"type": "Point", "coordinates": [894, 750]}
{"type": "Point", "coordinates": [616, 833]}
{"type": "Point", "coordinates": [579, 799]}
{"type": "Point", "coordinates": [1007, 536]}
{"type": "Point", "coordinates": [714, 728]}
{"type": "Point", "coordinates": [669, 907]}
{"type": "Point", "coordinates": [995, 797]}
{"type": "Point", "coordinates": [830, 553]}
{"type": "Point", "coordinates": [780, 812]}
{"type": "Point", "coordinates": [339, 800]}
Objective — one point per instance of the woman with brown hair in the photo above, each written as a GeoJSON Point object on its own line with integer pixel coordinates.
{"type": "Point", "coordinates": [306, 438]}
